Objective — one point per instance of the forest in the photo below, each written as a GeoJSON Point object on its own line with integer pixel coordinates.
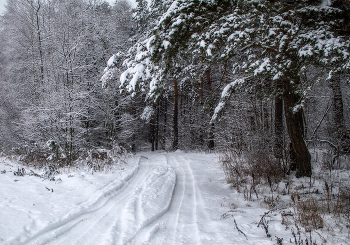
{"type": "Point", "coordinates": [266, 81]}
{"type": "Point", "coordinates": [207, 114]}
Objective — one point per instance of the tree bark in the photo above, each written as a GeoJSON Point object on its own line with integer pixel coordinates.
{"type": "Point", "coordinates": [338, 108]}
{"type": "Point", "coordinates": [295, 127]}
{"type": "Point", "coordinates": [157, 127]}
{"type": "Point", "coordinates": [165, 123]}
{"type": "Point", "coordinates": [211, 142]}
{"type": "Point", "coordinates": [39, 42]}
{"type": "Point", "coordinates": [152, 124]}
{"type": "Point", "coordinates": [278, 145]}
{"type": "Point", "coordinates": [201, 88]}
{"type": "Point", "coordinates": [175, 118]}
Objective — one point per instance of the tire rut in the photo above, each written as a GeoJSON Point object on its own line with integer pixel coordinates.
{"type": "Point", "coordinates": [181, 219]}
{"type": "Point", "coordinates": [87, 228]}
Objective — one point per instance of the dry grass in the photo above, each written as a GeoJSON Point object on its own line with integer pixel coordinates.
{"type": "Point", "coordinates": [308, 214]}
{"type": "Point", "coordinates": [247, 173]}
{"type": "Point", "coordinates": [258, 176]}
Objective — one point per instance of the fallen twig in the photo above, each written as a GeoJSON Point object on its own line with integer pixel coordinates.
{"type": "Point", "coordinates": [265, 224]}
{"type": "Point", "coordinates": [239, 230]}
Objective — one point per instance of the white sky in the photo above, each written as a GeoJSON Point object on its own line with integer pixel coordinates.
{"type": "Point", "coordinates": [2, 4]}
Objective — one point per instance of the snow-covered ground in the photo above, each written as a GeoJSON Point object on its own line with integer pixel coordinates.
{"type": "Point", "coordinates": [156, 198]}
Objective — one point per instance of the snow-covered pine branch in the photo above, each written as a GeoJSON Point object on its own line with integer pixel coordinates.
{"type": "Point", "coordinates": [225, 96]}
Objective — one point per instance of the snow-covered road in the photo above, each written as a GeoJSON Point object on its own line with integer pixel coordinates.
{"type": "Point", "coordinates": [165, 198]}
{"type": "Point", "coordinates": [119, 216]}
{"type": "Point", "coordinates": [160, 204]}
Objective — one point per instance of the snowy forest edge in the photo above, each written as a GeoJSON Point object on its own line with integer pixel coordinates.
{"type": "Point", "coordinates": [265, 84]}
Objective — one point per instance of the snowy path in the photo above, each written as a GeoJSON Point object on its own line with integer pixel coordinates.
{"type": "Point", "coordinates": [117, 218]}
{"type": "Point", "coordinates": [168, 198]}
{"type": "Point", "coordinates": [186, 218]}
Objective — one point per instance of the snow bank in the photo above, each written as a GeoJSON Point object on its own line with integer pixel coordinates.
{"type": "Point", "coordinates": [31, 205]}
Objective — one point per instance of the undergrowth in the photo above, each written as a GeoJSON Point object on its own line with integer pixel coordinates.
{"type": "Point", "coordinates": [95, 160]}
{"type": "Point", "coordinates": [308, 206]}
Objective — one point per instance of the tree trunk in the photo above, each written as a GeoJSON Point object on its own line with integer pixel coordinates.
{"type": "Point", "coordinates": [175, 118]}
{"type": "Point", "coordinates": [211, 142]}
{"type": "Point", "coordinates": [39, 42]}
{"type": "Point", "coordinates": [32, 50]}
{"type": "Point", "coordinates": [165, 123]}
{"type": "Point", "coordinates": [339, 113]}
{"type": "Point", "coordinates": [157, 127]}
{"type": "Point", "coordinates": [201, 88]}
{"type": "Point", "coordinates": [278, 146]}
{"type": "Point", "coordinates": [152, 124]}
{"type": "Point", "coordinates": [295, 127]}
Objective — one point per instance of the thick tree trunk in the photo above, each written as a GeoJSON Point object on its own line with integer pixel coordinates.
{"type": "Point", "coordinates": [175, 118]}
{"type": "Point", "coordinates": [295, 127]}
{"type": "Point", "coordinates": [339, 122]}
{"type": "Point", "coordinates": [211, 143]}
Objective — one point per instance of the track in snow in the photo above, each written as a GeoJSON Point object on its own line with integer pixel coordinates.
{"type": "Point", "coordinates": [186, 221]}
{"type": "Point", "coordinates": [120, 215]}
{"type": "Point", "coordinates": [160, 204]}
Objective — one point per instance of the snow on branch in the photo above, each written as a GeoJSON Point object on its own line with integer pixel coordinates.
{"type": "Point", "coordinates": [147, 113]}
{"type": "Point", "coordinates": [174, 6]}
{"type": "Point", "coordinates": [108, 72]}
{"type": "Point", "coordinates": [139, 66]}
{"type": "Point", "coordinates": [225, 96]}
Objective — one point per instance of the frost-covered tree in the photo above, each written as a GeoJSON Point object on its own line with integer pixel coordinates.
{"type": "Point", "coordinates": [157, 9]}
{"type": "Point", "coordinates": [123, 23]}
{"type": "Point", "coordinates": [141, 15]}
{"type": "Point", "coordinates": [55, 52]}
{"type": "Point", "coordinates": [271, 43]}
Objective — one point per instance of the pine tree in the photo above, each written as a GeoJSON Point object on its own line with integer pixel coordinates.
{"type": "Point", "coordinates": [141, 15]}
{"type": "Point", "coordinates": [271, 41]}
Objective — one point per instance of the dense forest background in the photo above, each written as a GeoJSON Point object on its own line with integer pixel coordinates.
{"type": "Point", "coordinates": [267, 80]}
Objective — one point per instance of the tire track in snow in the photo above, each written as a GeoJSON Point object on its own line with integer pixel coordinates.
{"type": "Point", "coordinates": [160, 204]}
{"type": "Point", "coordinates": [193, 187]}
{"type": "Point", "coordinates": [208, 231]}
{"type": "Point", "coordinates": [188, 209]}
{"type": "Point", "coordinates": [110, 215]}
{"type": "Point", "coordinates": [188, 220]}
{"type": "Point", "coordinates": [77, 226]}
{"type": "Point", "coordinates": [124, 215]}
{"type": "Point", "coordinates": [155, 201]}
{"type": "Point", "coordinates": [123, 212]}
{"type": "Point", "coordinates": [177, 201]}
{"type": "Point", "coordinates": [179, 224]}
